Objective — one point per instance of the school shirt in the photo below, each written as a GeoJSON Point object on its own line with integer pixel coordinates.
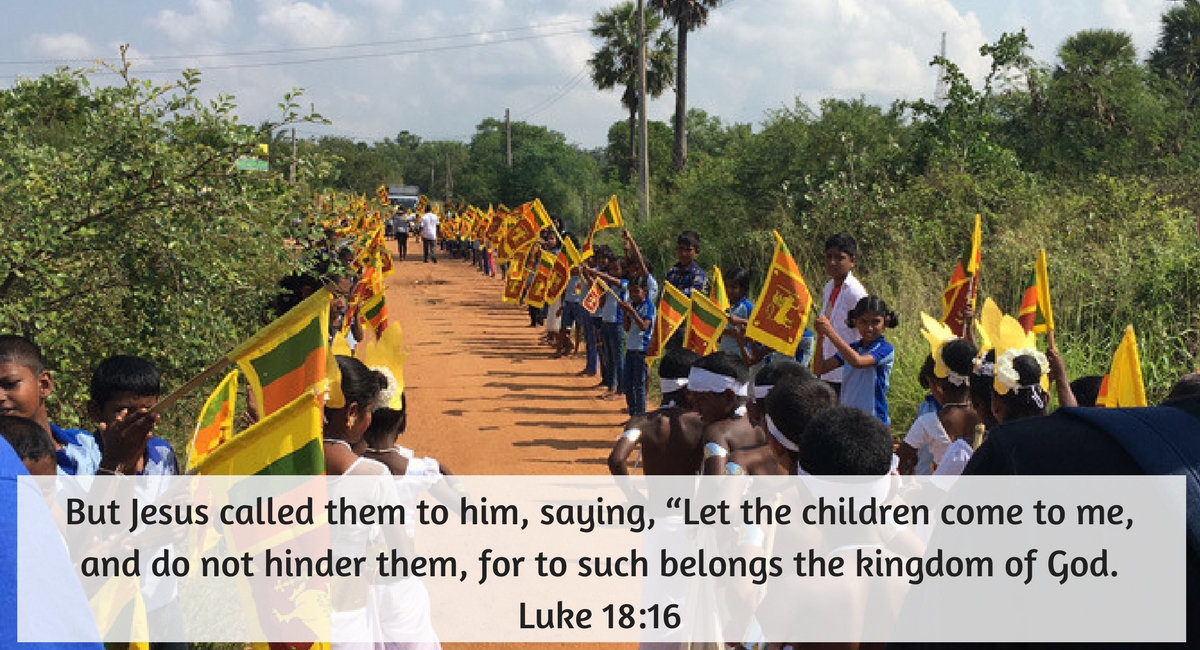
{"type": "Point", "coordinates": [742, 309]}
{"type": "Point", "coordinates": [955, 459]}
{"type": "Point", "coordinates": [688, 278]}
{"type": "Point", "coordinates": [159, 459]}
{"type": "Point", "coordinates": [573, 294]}
{"type": "Point", "coordinates": [79, 455]}
{"type": "Point", "coordinates": [610, 312]}
{"type": "Point", "coordinates": [866, 388]}
{"type": "Point", "coordinates": [851, 292]}
{"type": "Point", "coordinates": [637, 339]}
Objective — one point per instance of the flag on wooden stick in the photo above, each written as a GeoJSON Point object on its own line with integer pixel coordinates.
{"type": "Point", "coordinates": [591, 301]}
{"type": "Point", "coordinates": [288, 357]}
{"type": "Point", "coordinates": [215, 425]}
{"type": "Point", "coordinates": [673, 308]}
{"type": "Point", "coordinates": [717, 294]}
{"type": "Point", "coordinates": [1036, 314]}
{"type": "Point", "coordinates": [961, 291]}
{"type": "Point", "coordinates": [706, 322]}
{"type": "Point", "coordinates": [781, 312]}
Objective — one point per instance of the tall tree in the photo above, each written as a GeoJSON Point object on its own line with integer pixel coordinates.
{"type": "Point", "coordinates": [615, 63]}
{"type": "Point", "coordinates": [1177, 56]}
{"type": "Point", "coordinates": [688, 15]}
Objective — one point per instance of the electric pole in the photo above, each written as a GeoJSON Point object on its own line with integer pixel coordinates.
{"type": "Point", "coordinates": [508, 137]}
{"type": "Point", "coordinates": [643, 147]}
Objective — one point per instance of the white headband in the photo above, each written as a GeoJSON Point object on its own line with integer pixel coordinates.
{"type": "Point", "coordinates": [671, 385]}
{"type": "Point", "coordinates": [779, 437]}
{"type": "Point", "coordinates": [760, 391]}
{"type": "Point", "coordinates": [705, 381]}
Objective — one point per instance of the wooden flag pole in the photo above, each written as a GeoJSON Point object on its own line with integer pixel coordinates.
{"type": "Point", "coordinates": [191, 385]}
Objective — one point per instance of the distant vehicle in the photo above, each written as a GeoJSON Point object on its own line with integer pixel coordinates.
{"type": "Point", "coordinates": [404, 196]}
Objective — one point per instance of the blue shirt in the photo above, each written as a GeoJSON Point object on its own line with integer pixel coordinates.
{"type": "Point", "coordinates": [688, 279]}
{"type": "Point", "coordinates": [610, 312]}
{"type": "Point", "coordinates": [573, 294]}
{"type": "Point", "coordinates": [159, 459]}
{"type": "Point", "coordinates": [80, 455]}
{"type": "Point", "coordinates": [866, 388]}
{"type": "Point", "coordinates": [742, 310]}
{"type": "Point", "coordinates": [55, 589]}
{"type": "Point", "coordinates": [637, 339]}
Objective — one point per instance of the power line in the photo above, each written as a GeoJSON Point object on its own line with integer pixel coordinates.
{"type": "Point", "coordinates": [553, 99]}
{"type": "Point", "coordinates": [345, 57]}
{"type": "Point", "coordinates": [295, 50]}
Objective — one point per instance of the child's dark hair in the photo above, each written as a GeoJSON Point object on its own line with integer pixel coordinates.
{"type": "Point", "coordinates": [843, 242]}
{"type": "Point", "coordinates": [725, 364]}
{"type": "Point", "coordinates": [360, 384]}
{"type": "Point", "coordinates": [1186, 386]}
{"type": "Point", "coordinates": [794, 402]}
{"type": "Point", "coordinates": [28, 438]}
{"type": "Point", "coordinates": [124, 373]}
{"type": "Point", "coordinates": [386, 424]}
{"type": "Point", "coordinates": [740, 278]}
{"type": "Point", "coordinates": [1087, 389]}
{"type": "Point", "coordinates": [639, 281]}
{"type": "Point", "coordinates": [775, 372]}
{"type": "Point", "coordinates": [602, 252]}
{"type": "Point", "coordinates": [982, 378]}
{"type": "Point", "coordinates": [20, 350]}
{"type": "Point", "coordinates": [676, 363]}
{"type": "Point", "coordinates": [845, 441]}
{"type": "Point", "coordinates": [959, 355]}
{"type": "Point", "coordinates": [925, 376]}
{"type": "Point", "coordinates": [873, 305]}
{"type": "Point", "coordinates": [688, 238]}
{"type": "Point", "coordinates": [1029, 400]}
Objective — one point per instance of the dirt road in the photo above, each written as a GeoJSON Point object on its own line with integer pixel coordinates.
{"type": "Point", "coordinates": [484, 396]}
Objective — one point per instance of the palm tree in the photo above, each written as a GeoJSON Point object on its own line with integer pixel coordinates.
{"type": "Point", "coordinates": [614, 65]}
{"type": "Point", "coordinates": [688, 15]}
{"type": "Point", "coordinates": [1177, 56]}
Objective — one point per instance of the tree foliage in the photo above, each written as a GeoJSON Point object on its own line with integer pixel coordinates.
{"type": "Point", "coordinates": [128, 229]}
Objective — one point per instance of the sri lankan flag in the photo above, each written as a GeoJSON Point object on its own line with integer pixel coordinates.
{"type": "Point", "coordinates": [559, 276]}
{"type": "Point", "coordinates": [540, 217]}
{"type": "Point", "coordinates": [541, 281]}
{"type": "Point", "coordinates": [717, 294]}
{"type": "Point", "coordinates": [287, 358]}
{"type": "Point", "coordinates": [574, 257]}
{"type": "Point", "coordinates": [523, 232]}
{"type": "Point", "coordinates": [782, 309]}
{"type": "Point", "coordinates": [591, 301]}
{"type": "Point", "coordinates": [673, 308]}
{"type": "Point", "coordinates": [706, 322]}
{"type": "Point", "coordinates": [383, 195]}
{"type": "Point", "coordinates": [120, 614]}
{"type": "Point", "coordinates": [1123, 385]}
{"type": "Point", "coordinates": [1036, 314]}
{"type": "Point", "coordinates": [963, 287]}
{"type": "Point", "coordinates": [215, 425]}
{"type": "Point", "coordinates": [609, 217]}
{"type": "Point", "coordinates": [286, 442]}
{"type": "Point", "coordinates": [514, 284]}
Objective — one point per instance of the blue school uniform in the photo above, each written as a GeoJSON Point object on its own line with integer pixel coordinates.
{"type": "Point", "coordinates": [79, 455]}
{"type": "Point", "coordinates": [866, 388]}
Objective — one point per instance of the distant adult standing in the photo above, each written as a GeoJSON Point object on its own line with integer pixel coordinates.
{"type": "Point", "coordinates": [429, 232]}
{"type": "Point", "coordinates": [400, 227]}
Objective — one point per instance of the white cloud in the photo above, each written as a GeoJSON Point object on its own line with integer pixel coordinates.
{"type": "Point", "coordinates": [304, 24]}
{"type": "Point", "coordinates": [60, 46]}
{"type": "Point", "coordinates": [208, 19]}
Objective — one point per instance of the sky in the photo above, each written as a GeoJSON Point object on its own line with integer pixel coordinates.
{"type": "Point", "coordinates": [437, 68]}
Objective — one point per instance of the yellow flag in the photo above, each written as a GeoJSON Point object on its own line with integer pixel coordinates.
{"type": "Point", "coordinates": [1043, 294]}
{"type": "Point", "coordinates": [215, 425]}
{"type": "Point", "coordinates": [1123, 387]}
{"type": "Point", "coordinates": [717, 294]}
{"type": "Point", "coordinates": [783, 304]}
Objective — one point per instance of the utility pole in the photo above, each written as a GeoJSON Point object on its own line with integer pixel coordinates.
{"type": "Point", "coordinates": [508, 137]}
{"type": "Point", "coordinates": [449, 179]}
{"type": "Point", "coordinates": [643, 147]}
{"type": "Point", "coordinates": [292, 167]}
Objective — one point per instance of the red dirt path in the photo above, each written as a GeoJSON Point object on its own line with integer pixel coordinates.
{"type": "Point", "coordinates": [484, 396]}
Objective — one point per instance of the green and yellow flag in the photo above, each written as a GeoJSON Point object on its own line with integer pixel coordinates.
{"type": "Point", "coordinates": [286, 442]}
{"type": "Point", "coordinates": [514, 283]}
{"type": "Point", "coordinates": [540, 217]}
{"type": "Point", "coordinates": [1036, 314]}
{"type": "Point", "coordinates": [673, 308]}
{"type": "Point", "coordinates": [609, 217]}
{"type": "Point", "coordinates": [541, 281]}
{"type": "Point", "coordinates": [706, 322]}
{"type": "Point", "coordinates": [287, 358]}
{"type": "Point", "coordinates": [560, 275]}
{"type": "Point", "coordinates": [782, 309]}
{"type": "Point", "coordinates": [215, 425]}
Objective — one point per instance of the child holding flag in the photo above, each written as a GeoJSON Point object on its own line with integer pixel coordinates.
{"type": "Point", "coordinates": [638, 324]}
{"type": "Point", "coordinates": [868, 360]}
{"type": "Point", "coordinates": [842, 292]}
